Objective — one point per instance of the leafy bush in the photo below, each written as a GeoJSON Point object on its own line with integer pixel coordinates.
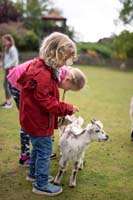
{"type": "Point", "coordinates": [25, 40]}
{"type": "Point", "coordinates": [123, 44]}
{"type": "Point", "coordinates": [101, 49]}
{"type": "Point", "coordinates": [29, 42]}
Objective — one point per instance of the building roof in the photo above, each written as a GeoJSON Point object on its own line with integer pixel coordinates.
{"type": "Point", "coordinates": [54, 16]}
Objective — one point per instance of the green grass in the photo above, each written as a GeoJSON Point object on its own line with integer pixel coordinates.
{"type": "Point", "coordinates": [108, 171]}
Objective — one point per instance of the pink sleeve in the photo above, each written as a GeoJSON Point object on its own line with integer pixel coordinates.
{"type": "Point", "coordinates": [16, 72]}
{"type": "Point", "coordinates": [63, 72]}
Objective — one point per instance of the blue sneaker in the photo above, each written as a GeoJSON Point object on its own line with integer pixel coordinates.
{"type": "Point", "coordinates": [32, 178]}
{"type": "Point", "coordinates": [49, 190]}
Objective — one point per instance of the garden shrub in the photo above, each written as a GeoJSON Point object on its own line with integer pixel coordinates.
{"type": "Point", "coordinates": [25, 40]}
{"type": "Point", "coordinates": [104, 50]}
{"type": "Point", "coordinates": [29, 41]}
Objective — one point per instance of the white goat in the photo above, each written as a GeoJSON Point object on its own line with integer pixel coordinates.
{"type": "Point", "coordinates": [131, 117]}
{"type": "Point", "coordinates": [73, 142]}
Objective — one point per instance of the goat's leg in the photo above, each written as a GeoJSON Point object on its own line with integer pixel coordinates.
{"type": "Point", "coordinates": [131, 117]}
{"type": "Point", "coordinates": [74, 174]}
{"type": "Point", "coordinates": [81, 165]}
{"type": "Point", "coordinates": [132, 131]}
{"type": "Point", "coordinates": [58, 178]}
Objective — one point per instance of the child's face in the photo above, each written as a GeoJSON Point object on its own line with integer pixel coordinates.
{"type": "Point", "coordinates": [6, 43]}
{"type": "Point", "coordinates": [68, 59]}
{"type": "Point", "coordinates": [67, 84]}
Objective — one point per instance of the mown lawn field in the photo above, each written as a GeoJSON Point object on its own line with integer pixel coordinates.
{"type": "Point", "coordinates": [108, 170]}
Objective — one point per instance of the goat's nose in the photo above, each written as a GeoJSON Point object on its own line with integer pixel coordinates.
{"type": "Point", "coordinates": [107, 137]}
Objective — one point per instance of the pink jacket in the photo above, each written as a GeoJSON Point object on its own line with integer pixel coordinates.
{"type": "Point", "coordinates": [16, 72]}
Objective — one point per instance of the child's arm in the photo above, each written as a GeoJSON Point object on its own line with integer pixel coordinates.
{"type": "Point", "coordinates": [50, 103]}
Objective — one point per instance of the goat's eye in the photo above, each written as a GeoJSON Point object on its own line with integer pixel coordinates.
{"type": "Point", "coordinates": [97, 131]}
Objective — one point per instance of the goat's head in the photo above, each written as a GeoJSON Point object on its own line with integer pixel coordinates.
{"type": "Point", "coordinates": [96, 131]}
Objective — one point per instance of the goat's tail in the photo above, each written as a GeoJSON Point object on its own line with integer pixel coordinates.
{"type": "Point", "coordinates": [131, 117]}
{"type": "Point", "coordinates": [131, 110]}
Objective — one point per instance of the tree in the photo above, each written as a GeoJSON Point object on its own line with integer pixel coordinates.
{"type": "Point", "coordinates": [126, 13]}
{"type": "Point", "coordinates": [8, 11]}
{"type": "Point", "coordinates": [32, 12]}
{"type": "Point", "coordinates": [123, 44]}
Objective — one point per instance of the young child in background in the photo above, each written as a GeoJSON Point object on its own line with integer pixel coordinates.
{"type": "Point", "coordinates": [10, 59]}
{"type": "Point", "coordinates": [40, 106]}
{"type": "Point", "coordinates": [70, 79]}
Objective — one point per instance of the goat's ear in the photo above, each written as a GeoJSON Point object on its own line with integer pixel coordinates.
{"type": "Point", "coordinates": [93, 121]}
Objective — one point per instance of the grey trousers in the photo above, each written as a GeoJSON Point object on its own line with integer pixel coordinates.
{"type": "Point", "coordinates": [6, 85]}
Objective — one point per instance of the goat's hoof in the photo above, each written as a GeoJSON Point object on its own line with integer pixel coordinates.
{"type": "Point", "coordinates": [72, 185]}
{"type": "Point", "coordinates": [80, 168]}
{"type": "Point", "coordinates": [56, 183]}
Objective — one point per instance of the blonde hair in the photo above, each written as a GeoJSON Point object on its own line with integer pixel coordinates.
{"type": "Point", "coordinates": [56, 49]}
{"type": "Point", "coordinates": [10, 39]}
{"type": "Point", "coordinates": [78, 77]}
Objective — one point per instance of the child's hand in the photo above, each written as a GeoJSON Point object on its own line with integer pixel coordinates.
{"type": "Point", "coordinates": [75, 109]}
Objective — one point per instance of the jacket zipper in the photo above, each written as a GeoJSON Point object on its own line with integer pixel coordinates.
{"type": "Point", "coordinates": [49, 121]}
